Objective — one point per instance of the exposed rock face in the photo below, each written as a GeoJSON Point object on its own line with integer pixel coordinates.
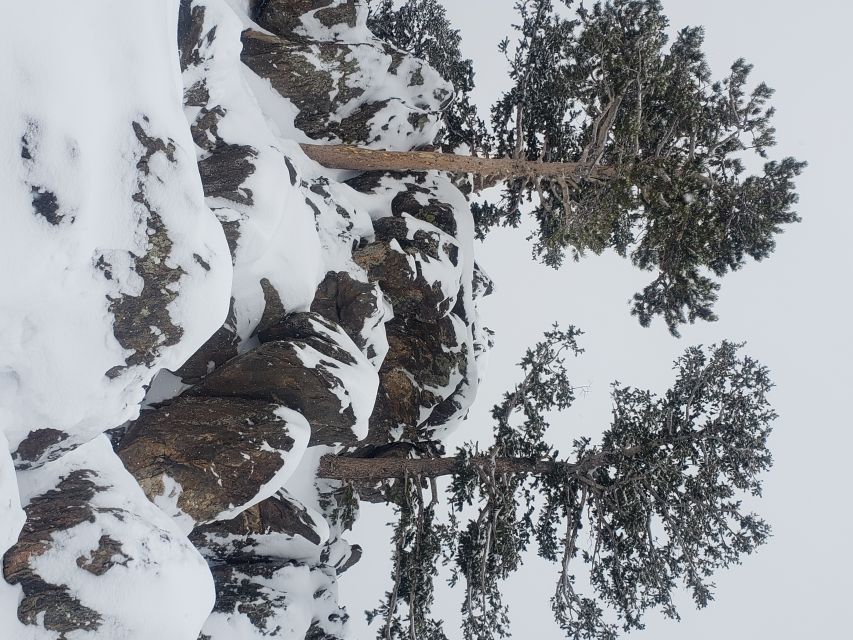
{"type": "Point", "coordinates": [421, 260]}
{"type": "Point", "coordinates": [275, 599]}
{"type": "Point", "coordinates": [355, 92]}
{"type": "Point", "coordinates": [88, 526]}
{"type": "Point", "coordinates": [279, 525]}
{"type": "Point", "coordinates": [203, 459]}
{"type": "Point", "coordinates": [64, 507]}
{"type": "Point", "coordinates": [359, 308]}
{"type": "Point", "coordinates": [275, 568]}
{"type": "Point", "coordinates": [288, 17]}
{"type": "Point", "coordinates": [308, 364]}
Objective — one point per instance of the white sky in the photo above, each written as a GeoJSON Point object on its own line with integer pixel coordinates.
{"type": "Point", "coordinates": [793, 310]}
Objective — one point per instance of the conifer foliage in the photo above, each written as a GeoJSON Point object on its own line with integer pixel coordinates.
{"type": "Point", "coordinates": [655, 505]}
{"type": "Point", "coordinates": [608, 89]}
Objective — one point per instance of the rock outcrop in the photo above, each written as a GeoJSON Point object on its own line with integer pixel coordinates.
{"type": "Point", "coordinates": [350, 325]}
{"type": "Point", "coordinates": [205, 458]}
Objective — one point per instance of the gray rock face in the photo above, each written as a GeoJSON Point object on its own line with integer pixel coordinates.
{"type": "Point", "coordinates": [327, 79]}
{"type": "Point", "coordinates": [207, 457]}
{"type": "Point", "coordinates": [269, 596]}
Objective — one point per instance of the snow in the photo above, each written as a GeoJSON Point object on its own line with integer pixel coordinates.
{"type": "Point", "coordinates": [11, 515]}
{"type": "Point", "coordinates": [11, 520]}
{"type": "Point", "coordinates": [56, 330]}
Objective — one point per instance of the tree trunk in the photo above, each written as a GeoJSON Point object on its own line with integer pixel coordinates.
{"type": "Point", "coordinates": [341, 156]}
{"type": "Point", "coordinates": [345, 468]}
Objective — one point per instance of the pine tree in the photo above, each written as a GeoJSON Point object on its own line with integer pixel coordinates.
{"type": "Point", "coordinates": [620, 140]}
{"type": "Point", "coordinates": [660, 497]}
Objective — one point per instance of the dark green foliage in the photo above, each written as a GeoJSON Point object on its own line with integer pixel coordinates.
{"type": "Point", "coordinates": [419, 543]}
{"type": "Point", "coordinates": [662, 493]}
{"type": "Point", "coordinates": [420, 27]}
{"type": "Point", "coordinates": [606, 89]}
{"type": "Point", "coordinates": [659, 498]}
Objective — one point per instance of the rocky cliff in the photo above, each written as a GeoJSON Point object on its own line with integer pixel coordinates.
{"type": "Point", "coordinates": [194, 312]}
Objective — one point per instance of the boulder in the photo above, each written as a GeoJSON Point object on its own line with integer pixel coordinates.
{"type": "Point", "coordinates": [96, 559]}
{"type": "Point", "coordinates": [359, 308]}
{"type": "Point", "coordinates": [206, 458]}
{"type": "Point", "coordinates": [415, 264]}
{"type": "Point", "coordinates": [278, 527]}
{"type": "Point", "coordinates": [310, 365]}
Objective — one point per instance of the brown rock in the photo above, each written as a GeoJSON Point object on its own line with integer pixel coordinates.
{"type": "Point", "coordinates": [219, 348]}
{"type": "Point", "coordinates": [276, 372]}
{"type": "Point", "coordinates": [320, 77]}
{"type": "Point", "coordinates": [348, 302]}
{"type": "Point", "coordinates": [221, 451]}
{"type": "Point", "coordinates": [59, 509]}
{"type": "Point", "coordinates": [39, 442]}
{"type": "Point", "coordinates": [284, 16]}
{"type": "Point", "coordinates": [423, 359]}
{"type": "Point", "coordinates": [279, 518]}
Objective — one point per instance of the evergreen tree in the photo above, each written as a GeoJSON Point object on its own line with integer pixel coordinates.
{"type": "Point", "coordinates": [660, 498]}
{"type": "Point", "coordinates": [619, 139]}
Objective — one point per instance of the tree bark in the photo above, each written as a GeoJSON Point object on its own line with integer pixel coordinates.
{"type": "Point", "coordinates": [341, 156]}
{"type": "Point", "coordinates": [345, 468]}
{"type": "Point", "coordinates": [335, 467]}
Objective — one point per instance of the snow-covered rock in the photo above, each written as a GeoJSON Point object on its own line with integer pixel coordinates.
{"type": "Point", "coordinates": [287, 227]}
{"type": "Point", "coordinates": [278, 527]}
{"type": "Point", "coordinates": [113, 265]}
{"type": "Point", "coordinates": [275, 599]}
{"type": "Point", "coordinates": [308, 364]}
{"type": "Point", "coordinates": [291, 311]}
{"type": "Point", "coordinates": [364, 92]}
{"type": "Point", "coordinates": [96, 559]}
{"type": "Point", "coordinates": [422, 259]}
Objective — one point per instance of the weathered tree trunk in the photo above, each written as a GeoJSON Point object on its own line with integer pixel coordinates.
{"type": "Point", "coordinates": [345, 468]}
{"type": "Point", "coordinates": [352, 468]}
{"type": "Point", "coordinates": [341, 156]}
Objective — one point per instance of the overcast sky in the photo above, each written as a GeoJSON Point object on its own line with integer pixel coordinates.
{"type": "Point", "coordinates": [793, 309]}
